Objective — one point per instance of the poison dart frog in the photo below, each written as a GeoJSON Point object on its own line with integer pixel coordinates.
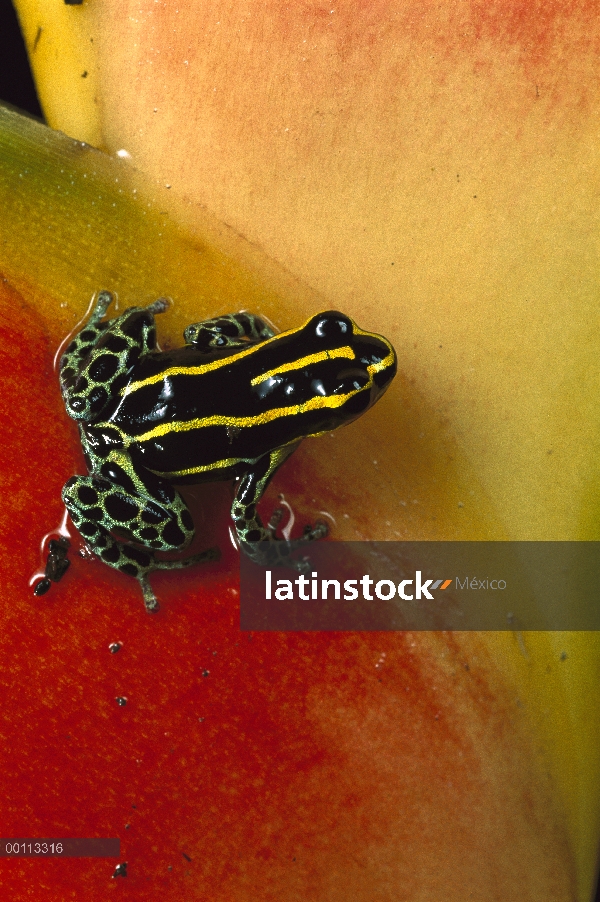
{"type": "Point", "coordinates": [233, 403]}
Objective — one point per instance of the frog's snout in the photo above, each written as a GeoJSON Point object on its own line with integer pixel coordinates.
{"type": "Point", "coordinates": [379, 357]}
{"type": "Point", "coordinates": [376, 355]}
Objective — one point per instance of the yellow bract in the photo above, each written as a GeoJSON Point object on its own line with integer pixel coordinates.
{"type": "Point", "coordinates": [60, 43]}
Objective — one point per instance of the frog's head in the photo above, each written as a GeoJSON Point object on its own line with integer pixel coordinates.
{"type": "Point", "coordinates": [331, 371]}
{"type": "Point", "coordinates": [366, 361]}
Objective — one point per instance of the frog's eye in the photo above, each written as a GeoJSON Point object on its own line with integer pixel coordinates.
{"type": "Point", "coordinates": [332, 325]}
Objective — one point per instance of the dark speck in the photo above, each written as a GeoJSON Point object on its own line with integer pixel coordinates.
{"type": "Point", "coordinates": [121, 701]}
{"type": "Point", "coordinates": [187, 857]}
{"type": "Point", "coordinates": [114, 647]}
{"type": "Point", "coordinates": [121, 869]}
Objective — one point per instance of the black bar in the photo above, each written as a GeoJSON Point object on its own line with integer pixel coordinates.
{"type": "Point", "coordinates": [66, 847]}
{"type": "Point", "coordinates": [425, 586]}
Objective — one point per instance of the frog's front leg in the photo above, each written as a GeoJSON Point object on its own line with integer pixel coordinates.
{"type": "Point", "coordinates": [257, 541]}
{"type": "Point", "coordinates": [232, 330]}
{"type": "Point", "coordinates": [139, 507]}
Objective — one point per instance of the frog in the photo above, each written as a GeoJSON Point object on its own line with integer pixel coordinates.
{"type": "Point", "coordinates": [233, 403]}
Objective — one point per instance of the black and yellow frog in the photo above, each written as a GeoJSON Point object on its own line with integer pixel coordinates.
{"type": "Point", "coordinates": [233, 403]}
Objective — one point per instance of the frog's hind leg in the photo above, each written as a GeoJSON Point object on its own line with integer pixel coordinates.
{"type": "Point", "coordinates": [232, 330]}
{"type": "Point", "coordinates": [141, 508]}
{"type": "Point", "coordinates": [86, 338]}
{"type": "Point", "coordinates": [257, 541]}
{"type": "Point", "coordinates": [134, 561]}
{"type": "Point", "coordinates": [96, 364]}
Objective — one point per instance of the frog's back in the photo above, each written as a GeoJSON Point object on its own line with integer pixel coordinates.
{"type": "Point", "coordinates": [190, 414]}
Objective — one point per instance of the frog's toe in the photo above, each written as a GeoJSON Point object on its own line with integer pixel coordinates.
{"type": "Point", "coordinates": [318, 531]}
{"type": "Point", "coordinates": [274, 522]}
{"type": "Point", "coordinates": [103, 301]}
{"type": "Point", "coordinates": [150, 600]}
{"type": "Point", "coordinates": [159, 305]}
{"type": "Point", "coordinates": [302, 565]}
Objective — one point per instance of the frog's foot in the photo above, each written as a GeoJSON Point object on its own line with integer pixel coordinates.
{"type": "Point", "coordinates": [318, 531]}
{"type": "Point", "coordinates": [138, 562]}
{"type": "Point", "coordinates": [233, 330]}
{"type": "Point", "coordinates": [270, 551]}
{"type": "Point", "coordinates": [105, 298]}
{"type": "Point", "coordinates": [264, 547]}
{"type": "Point", "coordinates": [57, 564]}
{"type": "Point", "coordinates": [203, 557]}
{"type": "Point", "coordinates": [139, 507]}
{"type": "Point", "coordinates": [103, 301]}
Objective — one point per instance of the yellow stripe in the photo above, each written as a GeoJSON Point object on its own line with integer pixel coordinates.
{"type": "Point", "coordinates": [277, 457]}
{"type": "Point", "coordinates": [190, 370]}
{"type": "Point", "coordinates": [245, 422]}
{"type": "Point", "coordinates": [305, 361]}
{"type": "Point", "coordinates": [217, 465]}
{"type": "Point", "coordinates": [267, 416]}
{"type": "Point", "coordinates": [205, 367]}
{"type": "Point", "coordinates": [225, 361]}
{"type": "Point", "coordinates": [385, 363]}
